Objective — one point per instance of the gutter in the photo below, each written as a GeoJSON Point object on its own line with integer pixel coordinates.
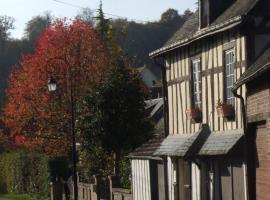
{"type": "Point", "coordinates": [143, 157]}
{"type": "Point", "coordinates": [251, 76]}
{"type": "Point", "coordinates": [200, 34]}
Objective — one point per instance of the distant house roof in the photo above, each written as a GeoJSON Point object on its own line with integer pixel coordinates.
{"type": "Point", "coordinates": [190, 31]}
{"type": "Point", "coordinates": [154, 109]}
{"type": "Point", "coordinates": [261, 65]}
{"type": "Point", "coordinates": [152, 102]}
{"type": "Point", "coordinates": [157, 84]}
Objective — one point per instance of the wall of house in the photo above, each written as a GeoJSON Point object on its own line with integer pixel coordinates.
{"type": "Point", "coordinates": [258, 110]}
{"type": "Point", "coordinates": [258, 98]}
{"type": "Point", "coordinates": [263, 161]}
{"type": "Point", "coordinates": [178, 75]}
{"type": "Point", "coordinates": [141, 185]}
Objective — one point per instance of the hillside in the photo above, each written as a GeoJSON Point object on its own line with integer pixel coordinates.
{"type": "Point", "coordinates": [136, 39]}
{"type": "Point", "coordinates": [140, 39]}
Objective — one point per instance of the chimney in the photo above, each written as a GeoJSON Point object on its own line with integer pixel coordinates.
{"type": "Point", "coordinates": [210, 10]}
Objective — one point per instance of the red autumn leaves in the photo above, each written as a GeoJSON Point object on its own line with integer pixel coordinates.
{"type": "Point", "coordinates": [67, 51]}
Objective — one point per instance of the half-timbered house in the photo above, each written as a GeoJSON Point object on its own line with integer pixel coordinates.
{"type": "Point", "coordinates": [205, 151]}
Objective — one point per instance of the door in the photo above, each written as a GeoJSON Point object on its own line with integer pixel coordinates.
{"type": "Point", "coordinates": [184, 180]}
{"type": "Point", "coordinates": [157, 180]}
{"type": "Point", "coordinates": [161, 179]}
{"type": "Point", "coordinates": [232, 181]}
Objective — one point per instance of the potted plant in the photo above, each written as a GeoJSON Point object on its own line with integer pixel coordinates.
{"type": "Point", "coordinates": [225, 110]}
{"type": "Point", "coordinates": [194, 114]}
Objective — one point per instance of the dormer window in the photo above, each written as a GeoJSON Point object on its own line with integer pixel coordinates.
{"type": "Point", "coordinates": [204, 13]}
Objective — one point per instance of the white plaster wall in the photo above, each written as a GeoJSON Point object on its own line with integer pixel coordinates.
{"type": "Point", "coordinates": [141, 186]}
{"type": "Point", "coordinates": [195, 181]}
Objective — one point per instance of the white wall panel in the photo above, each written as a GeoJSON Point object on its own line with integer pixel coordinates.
{"type": "Point", "coordinates": [141, 180]}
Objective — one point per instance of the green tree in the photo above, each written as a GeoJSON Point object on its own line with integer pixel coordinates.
{"type": "Point", "coordinates": [6, 24]}
{"type": "Point", "coordinates": [102, 24]}
{"type": "Point", "coordinates": [116, 119]}
{"type": "Point", "coordinates": [36, 26]}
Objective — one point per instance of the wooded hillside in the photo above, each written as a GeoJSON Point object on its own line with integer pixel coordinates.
{"type": "Point", "coordinates": [136, 39]}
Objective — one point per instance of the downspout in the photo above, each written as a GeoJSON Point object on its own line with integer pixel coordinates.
{"type": "Point", "coordinates": [166, 119]}
{"type": "Point", "coordinates": [245, 127]}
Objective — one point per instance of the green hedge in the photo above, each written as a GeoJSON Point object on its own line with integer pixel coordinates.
{"type": "Point", "coordinates": [23, 173]}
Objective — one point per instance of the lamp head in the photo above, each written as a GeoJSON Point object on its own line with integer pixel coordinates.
{"type": "Point", "coordinates": [52, 84]}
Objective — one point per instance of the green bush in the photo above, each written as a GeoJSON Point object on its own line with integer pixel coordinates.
{"type": "Point", "coordinates": [23, 173]}
{"type": "Point", "coordinates": [125, 171]}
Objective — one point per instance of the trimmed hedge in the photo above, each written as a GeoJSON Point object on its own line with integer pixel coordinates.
{"type": "Point", "coordinates": [23, 173]}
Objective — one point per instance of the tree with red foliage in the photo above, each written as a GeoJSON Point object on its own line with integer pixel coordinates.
{"type": "Point", "coordinates": [66, 50]}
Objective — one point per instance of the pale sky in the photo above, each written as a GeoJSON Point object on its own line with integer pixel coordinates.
{"type": "Point", "coordinates": [146, 10]}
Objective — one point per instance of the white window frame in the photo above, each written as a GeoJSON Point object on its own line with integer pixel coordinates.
{"type": "Point", "coordinates": [229, 75]}
{"type": "Point", "coordinates": [196, 83]}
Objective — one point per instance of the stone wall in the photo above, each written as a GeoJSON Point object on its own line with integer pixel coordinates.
{"type": "Point", "coordinates": [101, 188]}
{"type": "Point", "coordinates": [121, 194]}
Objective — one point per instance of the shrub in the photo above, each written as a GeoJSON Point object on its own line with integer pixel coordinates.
{"type": "Point", "coordinates": [125, 171]}
{"type": "Point", "coordinates": [30, 173]}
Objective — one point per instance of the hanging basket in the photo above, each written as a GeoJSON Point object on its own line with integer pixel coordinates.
{"type": "Point", "coordinates": [194, 114]}
{"type": "Point", "coordinates": [225, 111]}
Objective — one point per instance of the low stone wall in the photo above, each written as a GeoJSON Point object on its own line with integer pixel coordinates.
{"type": "Point", "coordinates": [101, 188]}
{"type": "Point", "coordinates": [121, 194]}
{"type": "Point", "coordinates": [87, 191]}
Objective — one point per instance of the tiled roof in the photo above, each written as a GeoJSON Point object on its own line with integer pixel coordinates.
{"type": "Point", "coordinates": [202, 143]}
{"type": "Point", "coordinates": [190, 31]}
{"type": "Point", "coordinates": [238, 8]}
{"type": "Point", "coordinates": [147, 149]}
{"type": "Point", "coordinates": [261, 65]}
{"type": "Point", "coordinates": [220, 143]}
{"type": "Point", "coordinates": [178, 145]}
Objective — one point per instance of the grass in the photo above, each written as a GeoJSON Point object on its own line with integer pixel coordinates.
{"type": "Point", "coordinates": [22, 197]}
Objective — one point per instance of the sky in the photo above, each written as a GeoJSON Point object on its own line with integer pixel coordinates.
{"type": "Point", "coordinates": [146, 10]}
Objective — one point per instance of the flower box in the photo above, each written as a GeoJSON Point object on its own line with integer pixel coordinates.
{"type": "Point", "coordinates": [194, 114]}
{"type": "Point", "coordinates": [225, 110]}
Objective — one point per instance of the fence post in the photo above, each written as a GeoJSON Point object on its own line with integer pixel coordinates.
{"type": "Point", "coordinates": [114, 182]}
{"type": "Point", "coordinates": [56, 190]}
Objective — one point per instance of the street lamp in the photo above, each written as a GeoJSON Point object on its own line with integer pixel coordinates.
{"type": "Point", "coordinates": [52, 85]}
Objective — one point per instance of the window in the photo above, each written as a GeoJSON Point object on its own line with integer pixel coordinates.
{"type": "Point", "coordinates": [229, 79]}
{"type": "Point", "coordinates": [197, 83]}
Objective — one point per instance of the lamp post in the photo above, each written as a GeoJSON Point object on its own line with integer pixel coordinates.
{"type": "Point", "coordinates": [52, 86]}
